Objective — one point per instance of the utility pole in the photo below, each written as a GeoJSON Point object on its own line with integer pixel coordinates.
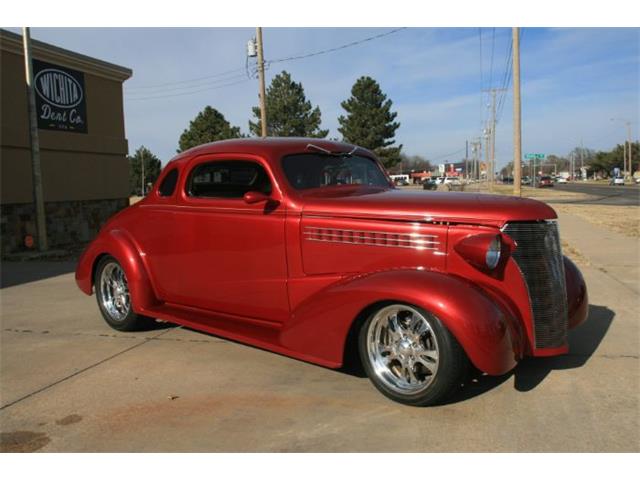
{"type": "Point", "coordinates": [36, 170]}
{"type": "Point", "coordinates": [475, 150]}
{"type": "Point", "coordinates": [478, 156]}
{"type": "Point", "coordinates": [517, 115]}
{"type": "Point", "coordinates": [573, 165]}
{"type": "Point", "coordinates": [627, 159]}
{"type": "Point", "coordinates": [492, 132]}
{"type": "Point", "coordinates": [581, 158]}
{"type": "Point", "coordinates": [142, 169]}
{"type": "Point", "coordinates": [629, 148]}
{"type": "Point", "coordinates": [466, 160]}
{"type": "Point", "coordinates": [486, 154]}
{"type": "Point", "coordinates": [263, 106]}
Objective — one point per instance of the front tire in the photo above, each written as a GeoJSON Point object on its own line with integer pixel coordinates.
{"type": "Point", "coordinates": [410, 356]}
{"type": "Point", "coordinates": [114, 298]}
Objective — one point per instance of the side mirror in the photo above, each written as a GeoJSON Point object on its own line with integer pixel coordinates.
{"type": "Point", "coordinates": [255, 197]}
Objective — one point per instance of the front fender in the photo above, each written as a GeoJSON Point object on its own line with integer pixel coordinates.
{"type": "Point", "coordinates": [577, 296]}
{"type": "Point", "coordinates": [319, 326]}
{"type": "Point", "coordinates": [119, 245]}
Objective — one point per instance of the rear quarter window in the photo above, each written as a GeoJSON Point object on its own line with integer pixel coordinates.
{"type": "Point", "coordinates": [168, 185]}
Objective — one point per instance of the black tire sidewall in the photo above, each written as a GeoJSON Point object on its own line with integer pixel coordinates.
{"type": "Point", "coordinates": [451, 367]}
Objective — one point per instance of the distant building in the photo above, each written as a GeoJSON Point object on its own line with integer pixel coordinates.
{"type": "Point", "coordinates": [83, 148]}
{"type": "Point", "coordinates": [453, 169]}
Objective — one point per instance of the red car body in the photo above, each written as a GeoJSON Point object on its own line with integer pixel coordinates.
{"type": "Point", "coordinates": [294, 274]}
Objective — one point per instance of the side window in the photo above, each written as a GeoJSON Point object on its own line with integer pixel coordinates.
{"type": "Point", "coordinates": [168, 184]}
{"type": "Point", "coordinates": [228, 179]}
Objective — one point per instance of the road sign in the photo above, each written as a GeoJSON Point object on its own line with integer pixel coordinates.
{"type": "Point", "coordinates": [537, 156]}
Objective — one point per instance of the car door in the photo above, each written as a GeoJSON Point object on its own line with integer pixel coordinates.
{"type": "Point", "coordinates": [229, 255]}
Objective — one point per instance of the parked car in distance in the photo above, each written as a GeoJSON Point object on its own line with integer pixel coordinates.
{"type": "Point", "coordinates": [545, 181]}
{"type": "Point", "coordinates": [439, 180]}
{"type": "Point", "coordinates": [429, 184]}
{"type": "Point", "coordinates": [452, 180]}
{"type": "Point", "coordinates": [617, 180]}
{"type": "Point", "coordinates": [401, 182]}
{"type": "Point", "coordinates": [306, 248]}
{"type": "Point", "coordinates": [525, 181]}
{"type": "Point", "coordinates": [561, 180]}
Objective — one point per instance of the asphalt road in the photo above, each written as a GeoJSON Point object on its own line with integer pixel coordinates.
{"type": "Point", "coordinates": [71, 384]}
{"type": "Point", "coordinates": [604, 194]}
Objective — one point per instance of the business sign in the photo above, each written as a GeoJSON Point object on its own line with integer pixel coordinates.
{"type": "Point", "coordinates": [61, 102]}
{"type": "Point", "coordinates": [536, 156]}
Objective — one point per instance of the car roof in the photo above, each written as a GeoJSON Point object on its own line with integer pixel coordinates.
{"type": "Point", "coordinates": [269, 147]}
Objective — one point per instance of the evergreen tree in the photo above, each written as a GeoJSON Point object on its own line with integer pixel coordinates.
{"type": "Point", "coordinates": [605, 162]}
{"type": "Point", "coordinates": [208, 126]}
{"type": "Point", "coordinates": [152, 168]}
{"type": "Point", "coordinates": [289, 113]}
{"type": "Point", "coordinates": [370, 122]}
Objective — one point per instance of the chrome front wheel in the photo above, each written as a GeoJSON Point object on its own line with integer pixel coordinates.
{"type": "Point", "coordinates": [409, 355]}
{"type": "Point", "coordinates": [403, 349]}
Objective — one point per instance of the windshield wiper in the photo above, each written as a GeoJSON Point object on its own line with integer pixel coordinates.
{"type": "Point", "coordinates": [311, 146]}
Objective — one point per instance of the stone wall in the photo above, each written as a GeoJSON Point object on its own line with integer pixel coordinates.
{"type": "Point", "coordinates": [70, 224]}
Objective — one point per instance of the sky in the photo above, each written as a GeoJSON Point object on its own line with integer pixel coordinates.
{"type": "Point", "coordinates": [574, 81]}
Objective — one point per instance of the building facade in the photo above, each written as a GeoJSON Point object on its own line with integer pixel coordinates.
{"type": "Point", "coordinates": [83, 148]}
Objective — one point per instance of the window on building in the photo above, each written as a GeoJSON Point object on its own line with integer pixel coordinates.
{"type": "Point", "coordinates": [228, 179]}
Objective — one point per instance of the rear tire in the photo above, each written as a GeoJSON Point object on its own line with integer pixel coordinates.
{"type": "Point", "coordinates": [114, 299]}
{"type": "Point", "coordinates": [410, 356]}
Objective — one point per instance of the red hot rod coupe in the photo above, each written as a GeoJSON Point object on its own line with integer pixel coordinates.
{"type": "Point", "coordinates": [304, 247]}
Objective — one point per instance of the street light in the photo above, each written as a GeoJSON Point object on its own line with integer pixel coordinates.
{"type": "Point", "coordinates": [626, 162]}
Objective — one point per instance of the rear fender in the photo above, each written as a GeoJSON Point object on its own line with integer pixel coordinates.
{"type": "Point", "coordinates": [119, 245]}
{"type": "Point", "coordinates": [320, 325]}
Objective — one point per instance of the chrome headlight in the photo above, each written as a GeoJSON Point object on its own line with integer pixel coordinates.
{"type": "Point", "coordinates": [492, 257]}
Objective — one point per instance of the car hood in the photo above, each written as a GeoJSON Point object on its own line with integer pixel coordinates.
{"type": "Point", "coordinates": [398, 204]}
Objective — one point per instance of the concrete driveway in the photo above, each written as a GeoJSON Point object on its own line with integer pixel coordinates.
{"type": "Point", "coordinates": [69, 383]}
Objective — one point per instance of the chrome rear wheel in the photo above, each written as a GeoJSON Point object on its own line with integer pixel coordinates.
{"type": "Point", "coordinates": [114, 297]}
{"type": "Point", "coordinates": [114, 290]}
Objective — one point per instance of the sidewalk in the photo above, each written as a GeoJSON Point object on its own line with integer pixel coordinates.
{"type": "Point", "coordinates": [69, 383]}
{"type": "Point", "coordinates": [614, 254]}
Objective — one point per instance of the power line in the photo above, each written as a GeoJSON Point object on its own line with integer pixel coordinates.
{"type": "Point", "coordinates": [508, 72]}
{"type": "Point", "coordinates": [481, 79]}
{"type": "Point", "coordinates": [192, 80]}
{"type": "Point", "coordinates": [447, 155]}
{"type": "Point", "coordinates": [334, 49]}
{"type": "Point", "coordinates": [505, 77]}
{"type": "Point", "coordinates": [244, 80]}
{"type": "Point", "coordinates": [158, 90]}
{"type": "Point", "coordinates": [506, 83]}
{"type": "Point", "coordinates": [210, 84]}
{"type": "Point", "coordinates": [493, 46]}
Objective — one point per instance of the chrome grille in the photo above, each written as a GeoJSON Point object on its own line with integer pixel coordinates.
{"type": "Point", "coordinates": [539, 257]}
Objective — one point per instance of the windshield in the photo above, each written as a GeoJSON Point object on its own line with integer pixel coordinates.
{"type": "Point", "coordinates": [312, 170]}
